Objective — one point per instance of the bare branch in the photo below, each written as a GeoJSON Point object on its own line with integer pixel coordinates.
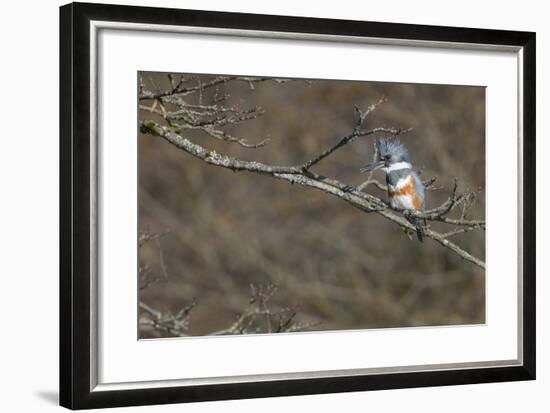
{"type": "Point", "coordinates": [181, 89]}
{"type": "Point", "coordinates": [261, 317]}
{"type": "Point", "coordinates": [209, 119]}
{"type": "Point", "coordinates": [348, 139]}
{"type": "Point", "coordinates": [303, 176]}
{"type": "Point", "coordinates": [212, 157]}
{"type": "Point", "coordinates": [371, 174]}
{"type": "Point", "coordinates": [224, 136]}
{"type": "Point", "coordinates": [435, 236]}
{"type": "Point", "coordinates": [362, 115]}
{"type": "Point", "coordinates": [357, 132]}
{"type": "Point", "coordinates": [373, 182]}
{"type": "Point", "coordinates": [176, 325]}
{"type": "Point", "coordinates": [458, 231]}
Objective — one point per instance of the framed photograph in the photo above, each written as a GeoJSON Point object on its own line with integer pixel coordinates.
{"type": "Point", "coordinates": [257, 206]}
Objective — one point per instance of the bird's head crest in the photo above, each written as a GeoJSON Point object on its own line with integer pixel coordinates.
{"type": "Point", "coordinates": [392, 150]}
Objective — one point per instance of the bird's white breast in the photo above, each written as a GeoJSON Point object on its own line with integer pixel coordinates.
{"type": "Point", "coordinates": [402, 202]}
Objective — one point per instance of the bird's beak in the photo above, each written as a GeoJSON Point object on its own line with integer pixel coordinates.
{"type": "Point", "coordinates": [372, 166]}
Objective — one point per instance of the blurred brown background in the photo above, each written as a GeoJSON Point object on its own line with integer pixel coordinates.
{"type": "Point", "coordinates": [344, 268]}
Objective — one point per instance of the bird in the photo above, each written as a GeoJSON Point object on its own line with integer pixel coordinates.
{"type": "Point", "coordinates": [405, 189]}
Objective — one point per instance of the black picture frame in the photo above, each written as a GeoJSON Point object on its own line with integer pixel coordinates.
{"type": "Point", "coordinates": [75, 220]}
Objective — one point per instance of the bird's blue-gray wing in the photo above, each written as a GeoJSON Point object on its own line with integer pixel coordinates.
{"type": "Point", "coordinates": [420, 190]}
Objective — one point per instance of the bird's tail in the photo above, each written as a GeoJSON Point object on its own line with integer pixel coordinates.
{"type": "Point", "coordinates": [420, 224]}
{"type": "Point", "coordinates": [420, 232]}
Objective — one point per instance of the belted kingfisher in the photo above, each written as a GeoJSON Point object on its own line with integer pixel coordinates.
{"type": "Point", "coordinates": [405, 189]}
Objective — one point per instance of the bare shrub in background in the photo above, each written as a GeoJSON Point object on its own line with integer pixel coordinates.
{"type": "Point", "coordinates": [258, 317]}
{"type": "Point", "coordinates": [224, 226]}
